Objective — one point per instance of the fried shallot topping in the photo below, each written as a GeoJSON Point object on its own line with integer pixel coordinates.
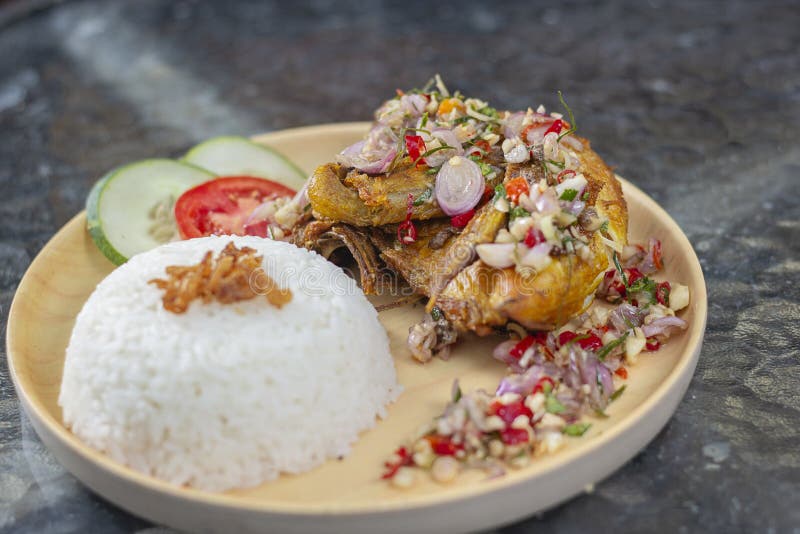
{"type": "Point", "coordinates": [235, 274]}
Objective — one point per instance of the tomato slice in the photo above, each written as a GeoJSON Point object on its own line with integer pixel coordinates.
{"type": "Point", "coordinates": [222, 205]}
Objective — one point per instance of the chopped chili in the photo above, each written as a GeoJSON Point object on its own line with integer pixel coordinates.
{"type": "Point", "coordinates": [534, 237]}
{"type": "Point", "coordinates": [516, 187]}
{"type": "Point", "coordinates": [415, 146]}
{"type": "Point", "coordinates": [406, 231]}
{"type": "Point", "coordinates": [556, 127]}
{"type": "Point", "coordinates": [662, 293]}
{"type": "Point", "coordinates": [461, 220]}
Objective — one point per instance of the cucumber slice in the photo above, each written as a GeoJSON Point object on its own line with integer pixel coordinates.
{"type": "Point", "coordinates": [119, 206]}
{"type": "Point", "coordinates": [238, 156]}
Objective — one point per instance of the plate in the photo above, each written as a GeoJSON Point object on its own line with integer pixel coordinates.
{"type": "Point", "coordinates": [348, 495]}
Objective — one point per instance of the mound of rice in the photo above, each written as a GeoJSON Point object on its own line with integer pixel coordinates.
{"type": "Point", "coordinates": [226, 396]}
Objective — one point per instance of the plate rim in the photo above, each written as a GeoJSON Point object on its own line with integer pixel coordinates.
{"type": "Point", "coordinates": [683, 370]}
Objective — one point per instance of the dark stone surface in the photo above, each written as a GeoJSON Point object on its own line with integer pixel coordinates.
{"type": "Point", "coordinates": [697, 102]}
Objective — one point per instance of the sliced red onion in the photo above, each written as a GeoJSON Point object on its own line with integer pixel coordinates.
{"type": "Point", "coordinates": [502, 353]}
{"type": "Point", "coordinates": [547, 202]}
{"type": "Point", "coordinates": [584, 369]}
{"type": "Point", "coordinates": [575, 207]}
{"type": "Point", "coordinates": [401, 112]}
{"type": "Point", "coordinates": [449, 138]}
{"type": "Point", "coordinates": [446, 137]}
{"type": "Point", "coordinates": [573, 142]}
{"type": "Point", "coordinates": [459, 185]}
{"type": "Point", "coordinates": [604, 377]}
{"type": "Point", "coordinates": [663, 326]}
{"type": "Point", "coordinates": [375, 162]}
{"type": "Point", "coordinates": [521, 384]}
{"type": "Point", "coordinates": [640, 258]}
{"type": "Point", "coordinates": [648, 265]}
{"type": "Point", "coordinates": [512, 125]}
{"type": "Point", "coordinates": [497, 255]}
{"type": "Point", "coordinates": [301, 198]}
{"type": "Point", "coordinates": [535, 136]}
{"type": "Point", "coordinates": [413, 104]}
{"type": "Point", "coordinates": [261, 212]}
{"type": "Point", "coordinates": [625, 316]}
{"type": "Point", "coordinates": [352, 151]}
{"type": "Point", "coordinates": [632, 256]}
{"type": "Point", "coordinates": [379, 166]}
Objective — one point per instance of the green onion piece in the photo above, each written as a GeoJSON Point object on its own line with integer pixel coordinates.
{"type": "Point", "coordinates": [644, 285]}
{"type": "Point", "coordinates": [573, 125]}
{"type": "Point", "coordinates": [486, 169]}
{"type": "Point", "coordinates": [619, 269]}
{"type": "Point", "coordinates": [552, 405]}
{"type": "Point", "coordinates": [576, 429]}
{"type": "Point", "coordinates": [603, 352]}
{"type": "Point", "coordinates": [423, 197]}
{"type": "Point", "coordinates": [569, 194]}
{"type": "Point", "coordinates": [436, 313]}
{"type": "Point", "coordinates": [431, 151]}
{"type": "Point", "coordinates": [518, 211]}
{"type": "Point", "coordinates": [617, 393]}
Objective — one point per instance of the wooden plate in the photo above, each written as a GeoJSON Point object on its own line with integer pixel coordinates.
{"type": "Point", "coordinates": [347, 496]}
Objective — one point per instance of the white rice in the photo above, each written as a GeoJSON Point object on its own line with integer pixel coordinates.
{"type": "Point", "coordinates": [226, 396]}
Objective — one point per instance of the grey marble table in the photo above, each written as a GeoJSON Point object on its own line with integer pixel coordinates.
{"type": "Point", "coordinates": [697, 102]}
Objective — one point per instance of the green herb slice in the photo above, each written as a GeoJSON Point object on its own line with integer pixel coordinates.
{"type": "Point", "coordinates": [576, 429]}
{"type": "Point", "coordinates": [423, 197]}
{"type": "Point", "coordinates": [606, 350]}
{"type": "Point", "coordinates": [552, 405]}
{"type": "Point", "coordinates": [569, 194]}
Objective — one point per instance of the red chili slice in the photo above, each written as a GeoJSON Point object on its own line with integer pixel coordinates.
{"type": "Point", "coordinates": [657, 254]}
{"type": "Point", "coordinates": [513, 436]}
{"type": "Point", "coordinates": [662, 293]}
{"type": "Point", "coordinates": [534, 237]}
{"type": "Point", "coordinates": [652, 344]}
{"type": "Point", "coordinates": [540, 384]}
{"type": "Point", "coordinates": [633, 274]}
{"type": "Point", "coordinates": [509, 412]}
{"type": "Point", "coordinates": [588, 341]}
{"type": "Point", "coordinates": [406, 231]}
{"type": "Point", "coordinates": [415, 146]}
{"type": "Point", "coordinates": [560, 177]}
{"type": "Point", "coordinates": [461, 220]}
{"type": "Point", "coordinates": [443, 446]}
{"type": "Point", "coordinates": [393, 468]}
{"type": "Point", "coordinates": [519, 349]}
{"type": "Point", "coordinates": [556, 127]}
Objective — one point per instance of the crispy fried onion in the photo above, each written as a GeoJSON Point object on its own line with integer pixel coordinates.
{"type": "Point", "coordinates": [227, 278]}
